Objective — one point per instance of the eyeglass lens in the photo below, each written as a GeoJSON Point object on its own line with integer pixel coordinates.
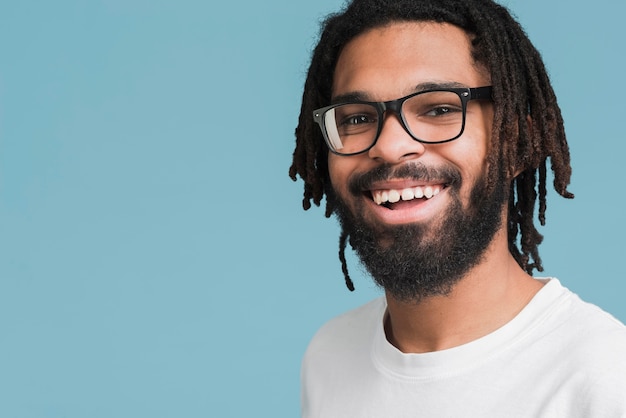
{"type": "Point", "coordinates": [435, 116]}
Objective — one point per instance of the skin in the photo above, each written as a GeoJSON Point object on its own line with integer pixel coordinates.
{"type": "Point", "coordinates": [390, 62]}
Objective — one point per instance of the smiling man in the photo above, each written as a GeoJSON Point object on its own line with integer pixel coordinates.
{"type": "Point", "coordinates": [427, 125]}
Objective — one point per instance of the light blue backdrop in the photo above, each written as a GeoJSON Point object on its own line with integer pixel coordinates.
{"type": "Point", "coordinates": [154, 257]}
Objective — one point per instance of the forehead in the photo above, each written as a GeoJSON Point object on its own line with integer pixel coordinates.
{"type": "Point", "coordinates": [390, 61]}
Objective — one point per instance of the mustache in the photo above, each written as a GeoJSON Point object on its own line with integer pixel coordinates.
{"type": "Point", "coordinates": [413, 171]}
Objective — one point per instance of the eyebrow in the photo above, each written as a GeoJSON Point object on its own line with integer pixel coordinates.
{"type": "Point", "coordinates": [361, 96]}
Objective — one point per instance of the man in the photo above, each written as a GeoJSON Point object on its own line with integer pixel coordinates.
{"type": "Point", "coordinates": [427, 126]}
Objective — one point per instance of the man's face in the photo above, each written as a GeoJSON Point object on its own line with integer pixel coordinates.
{"type": "Point", "coordinates": [435, 239]}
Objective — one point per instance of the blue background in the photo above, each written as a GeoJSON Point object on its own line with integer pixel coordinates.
{"type": "Point", "coordinates": [155, 260]}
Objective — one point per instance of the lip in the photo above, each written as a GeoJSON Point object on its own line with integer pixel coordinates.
{"type": "Point", "coordinates": [411, 211]}
{"type": "Point", "coordinates": [404, 184]}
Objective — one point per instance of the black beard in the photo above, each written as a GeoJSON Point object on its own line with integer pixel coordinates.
{"type": "Point", "coordinates": [412, 262]}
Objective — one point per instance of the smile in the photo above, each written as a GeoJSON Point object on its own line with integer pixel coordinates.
{"type": "Point", "coordinates": [382, 197]}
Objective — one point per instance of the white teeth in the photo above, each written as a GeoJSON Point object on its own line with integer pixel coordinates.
{"type": "Point", "coordinates": [393, 196]}
{"type": "Point", "coordinates": [408, 194]}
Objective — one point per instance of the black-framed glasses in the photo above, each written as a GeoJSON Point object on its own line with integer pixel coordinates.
{"type": "Point", "coordinates": [431, 116]}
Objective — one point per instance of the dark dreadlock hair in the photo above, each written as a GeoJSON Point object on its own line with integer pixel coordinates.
{"type": "Point", "coordinates": [527, 126]}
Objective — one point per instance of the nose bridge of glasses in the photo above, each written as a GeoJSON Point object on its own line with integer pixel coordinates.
{"type": "Point", "coordinates": [394, 107]}
{"type": "Point", "coordinates": [389, 144]}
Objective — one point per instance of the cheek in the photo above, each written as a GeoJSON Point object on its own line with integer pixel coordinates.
{"type": "Point", "coordinates": [469, 155]}
{"type": "Point", "coordinates": [476, 147]}
{"type": "Point", "coordinates": [339, 169]}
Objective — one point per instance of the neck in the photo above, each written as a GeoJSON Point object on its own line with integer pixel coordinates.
{"type": "Point", "coordinates": [488, 297]}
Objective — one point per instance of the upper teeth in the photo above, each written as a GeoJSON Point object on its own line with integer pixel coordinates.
{"type": "Point", "coordinates": [393, 195]}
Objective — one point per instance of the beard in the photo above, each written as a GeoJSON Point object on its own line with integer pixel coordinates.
{"type": "Point", "coordinates": [416, 261]}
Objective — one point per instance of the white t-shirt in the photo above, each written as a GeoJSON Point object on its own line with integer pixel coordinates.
{"type": "Point", "coordinates": [559, 357]}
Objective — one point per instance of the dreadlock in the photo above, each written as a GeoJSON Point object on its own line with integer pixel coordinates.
{"type": "Point", "coordinates": [527, 126]}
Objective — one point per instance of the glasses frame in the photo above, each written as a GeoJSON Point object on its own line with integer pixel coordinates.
{"type": "Point", "coordinates": [395, 106]}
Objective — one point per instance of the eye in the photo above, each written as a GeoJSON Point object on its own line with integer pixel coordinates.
{"type": "Point", "coordinates": [353, 120]}
{"type": "Point", "coordinates": [356, 118]}
{"type": "Point", "coordinates": [442, 110]}
{"type": "Point", "coordinates": [434, 105]}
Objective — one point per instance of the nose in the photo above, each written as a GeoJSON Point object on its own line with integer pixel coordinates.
{"type": "Point", "coordinates": [394, 144]}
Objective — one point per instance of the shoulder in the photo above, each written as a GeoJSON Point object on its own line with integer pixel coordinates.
{"type": "Point", "coordinates": [338, 353]}
{"type": "Point", "coordinates": [594, 352]}
{"type": "Point", "coordinates": [593, 323]}
{"type": "Point", "coordinates": [345, 339]}
{"type": "Point", "coordinates": [600, 338]}
{"type": "Point", "coordinates": [350, 328]}
{"type": "Point", "coordinates": [586, 327]}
